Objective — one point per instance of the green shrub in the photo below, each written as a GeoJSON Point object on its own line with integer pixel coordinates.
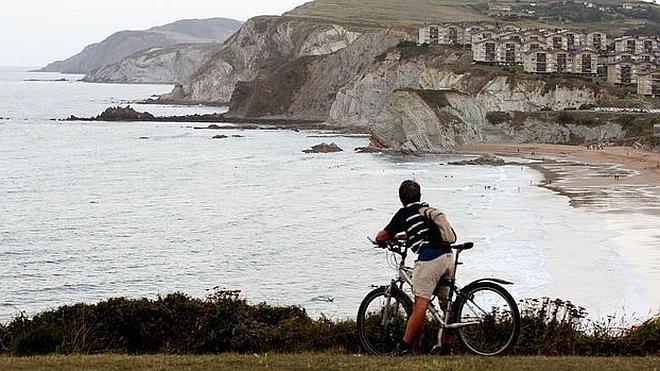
{"type": "Point", "coordinates": [587, 107]}
{"type": "Point", "coordinates": [498, 117]}
{"type": "Point", "coordinates": [223, 322]}
{"type": "Point", "coordinates": [565, 118]}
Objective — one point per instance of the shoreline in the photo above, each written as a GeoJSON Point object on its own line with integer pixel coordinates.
{"type": "Point", "coordinates": [619, 184]}
{"type": "Point", "coordinates": [646, 164]}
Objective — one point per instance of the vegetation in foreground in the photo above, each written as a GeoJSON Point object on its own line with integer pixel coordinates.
{"type": "Point", "coordinates": [324, 361]}
{"type": "Point", "coordinates": [179, 324]}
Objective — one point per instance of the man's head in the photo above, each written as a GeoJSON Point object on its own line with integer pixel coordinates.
{"type": "Point", "coordinates": [409, 192]}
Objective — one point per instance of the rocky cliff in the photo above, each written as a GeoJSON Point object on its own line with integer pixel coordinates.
{"type": "Point", "coordinates": [428, 121]}
{"type": "Point", "coordinates": [305, 88]}
{"type": "Point", "coordinates": [125, 43]}
{"type": "Point", "coordinates": [411, 98]}
{"type": "Point", "coordinates": [493, 88]}
{"type": "Point", "coordinates": [263, 45]}
{"type": "Point", "coordinates": [159, 65]}
{"type": "Point", "coordinates": [388, 98]}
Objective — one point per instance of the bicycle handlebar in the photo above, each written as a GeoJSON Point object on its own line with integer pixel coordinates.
{"type": "Point", "coordinates": [393, 245]}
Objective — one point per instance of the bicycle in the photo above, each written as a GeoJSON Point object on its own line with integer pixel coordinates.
{"type": "Point", "coordinates": [483, 315]}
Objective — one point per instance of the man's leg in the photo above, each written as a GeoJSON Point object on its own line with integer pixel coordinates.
{"type": "Point", "coordinates": [416, 320]}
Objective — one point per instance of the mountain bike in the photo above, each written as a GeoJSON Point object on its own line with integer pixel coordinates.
{"type": "Point", "coordinates": [483, 315]}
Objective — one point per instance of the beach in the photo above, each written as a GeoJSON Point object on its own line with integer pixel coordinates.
{"type": "Point", "coordinates": [619, 185]}
{"type": "Point", "coordinates": [646, 164]}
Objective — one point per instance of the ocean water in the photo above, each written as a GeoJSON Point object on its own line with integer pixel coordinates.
{"type": "Point", "coordinates": [95, 210]}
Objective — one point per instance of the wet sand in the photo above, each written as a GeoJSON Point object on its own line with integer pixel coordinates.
{"type": "Point", "coordinates": [646, 164]}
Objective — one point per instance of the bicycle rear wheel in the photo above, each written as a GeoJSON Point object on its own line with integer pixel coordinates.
{"type": "Point", "coordinates": [494, 318]}
{"type": "Point", "coordinates": [381, 326]}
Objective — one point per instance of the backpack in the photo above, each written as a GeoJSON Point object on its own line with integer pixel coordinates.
{"type": "Point", "coordinates": [444, 232]}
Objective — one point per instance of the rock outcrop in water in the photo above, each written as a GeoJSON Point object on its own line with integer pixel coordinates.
{"type": "Point", "coordinates": [324, 148]}
{"type": "Point", "coordinates": [485, 159]}
{"type": "Point", "coordinates": [124, 114]}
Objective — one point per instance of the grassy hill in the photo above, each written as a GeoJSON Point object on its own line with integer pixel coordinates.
{"type": "Point", "coordinates": [547, 13]}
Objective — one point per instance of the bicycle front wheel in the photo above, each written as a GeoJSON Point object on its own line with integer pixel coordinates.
{"type": "Point", "coordinates": [382, 319]}
{"type": "Point", "coordinates": [490, 317]}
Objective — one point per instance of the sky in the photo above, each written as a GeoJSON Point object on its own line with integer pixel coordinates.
{"type": "Point", "coordinates": [36, 32]}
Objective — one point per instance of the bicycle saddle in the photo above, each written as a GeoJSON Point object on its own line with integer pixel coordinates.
{"type": "Point", "coordinates": [464, 246]}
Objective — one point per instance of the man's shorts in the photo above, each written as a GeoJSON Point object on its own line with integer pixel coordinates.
{"type": "Point", "coordinates": [426, 275]}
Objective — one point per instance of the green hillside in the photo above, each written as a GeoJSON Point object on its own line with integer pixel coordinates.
{"type": "Point", "coordinates": [604, 15]}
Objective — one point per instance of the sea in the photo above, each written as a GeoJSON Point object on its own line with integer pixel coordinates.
{"type": "Point", "coordinates": [94, 210]}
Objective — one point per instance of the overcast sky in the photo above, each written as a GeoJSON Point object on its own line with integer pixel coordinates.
{"type": "Point", "coordinates": [36, 32]}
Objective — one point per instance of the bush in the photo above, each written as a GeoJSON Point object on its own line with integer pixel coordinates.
{"type": "Point", "coordinates": [408, 44]}
{"type": "Point", "coordinates": [498, 117]}
{"type": "Point", "coordinates": [223, 322]}
{"type": "Point", "coordinates": [565, 118]}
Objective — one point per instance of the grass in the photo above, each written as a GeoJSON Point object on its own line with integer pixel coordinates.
{"type": "Point", "coordinates": [414, 13]}
{"type": "Point", "coordinates": [322, 361]}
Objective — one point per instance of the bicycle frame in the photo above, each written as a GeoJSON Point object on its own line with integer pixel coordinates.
{"type": "Point", "coordinates": [405, 277]}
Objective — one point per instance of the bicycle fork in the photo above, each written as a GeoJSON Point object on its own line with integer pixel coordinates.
{"type": "Point", "coordinates": [386, 310]}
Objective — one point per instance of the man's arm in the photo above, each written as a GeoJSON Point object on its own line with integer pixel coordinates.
{"type": "Point", "coordinates": [382, 236]}
{"type": "Point", "coordinates": [393, 230]}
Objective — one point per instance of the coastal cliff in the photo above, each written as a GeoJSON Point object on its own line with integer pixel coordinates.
{"type": "Point", "coordinates": [380, 99]}
{"type": "Point", "coordinates": [262, 45]}
{"type": "Point", "coordinates": [159, 65]}
{"type": "Point", "coordinates": [126, 43]}
{"type": "Point", "coordinates": [379, 80]}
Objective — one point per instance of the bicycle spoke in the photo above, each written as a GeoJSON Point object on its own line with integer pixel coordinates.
{"type": "Point", "coordinates": [496, 317]}
{"type": "Point", "coordinates": [382, 322]}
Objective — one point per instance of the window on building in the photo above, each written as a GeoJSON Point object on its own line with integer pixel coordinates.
{"type": "Point", "coordinates": [556, 42]}
{"type": "Point", "coordinates": [648, 46]}
{"type": "Point", "coordinates": [453, 35]}
{"type": "Point", "coordinates": [655, 90]}
{"type": "Point", "coordinates": [561, 63]}
{"type": "Point", "coordinates": [490, 52]}
{"type": "Point", "coordinates": [630, 46]}
{"type": "Point", "coordinates": [586, 63]}
{"type": "Point", "coordinates": [510, 56]}
{"type": "Point", "coordinates": [541, 62]}
{"type": "Point", "coordinates": [626, 74]}
{"type": "Point", "coordinates": [597, 41]}
{"type": "Point", "coordinates": [570, 38]}
{"type": "Point", "coordinates": [433, 35]}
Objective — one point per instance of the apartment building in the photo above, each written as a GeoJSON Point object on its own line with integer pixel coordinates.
{"type": "Point", "coordinates": [444, 34]}
{"type": "Point", "coordinates": [550, 60]}
{"type": "Point", "coordinates": [636, 44]}
{"type": "Point", "coordinates": [541, 61]}
{"type": "Point", "coordinates": [648, 83]}
{"type": "Point", "coordinates": [627, 72]}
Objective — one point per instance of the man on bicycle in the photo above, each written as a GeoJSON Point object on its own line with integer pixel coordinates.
{"type": "Point", "coordinates": [435, 261]}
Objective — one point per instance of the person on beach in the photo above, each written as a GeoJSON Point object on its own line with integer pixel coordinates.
{"type": "Point", "coordinates": [435, 262]}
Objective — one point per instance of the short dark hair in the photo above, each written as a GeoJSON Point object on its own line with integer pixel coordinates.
{"type": "Point", "coordinates": [409, 192]}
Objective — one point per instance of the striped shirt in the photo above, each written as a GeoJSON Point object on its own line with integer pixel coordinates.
{"type": "Point", "coordinates": [409, 220]}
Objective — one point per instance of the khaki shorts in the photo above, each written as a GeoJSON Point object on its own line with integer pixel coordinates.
{"type": "Point", "coordinates": [426, 275]}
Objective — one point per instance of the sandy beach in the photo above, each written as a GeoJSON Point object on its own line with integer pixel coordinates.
{"type": "Point", "coordinates": [645, 164]}
{"type": "Point", "coordinates": [620, 184]}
